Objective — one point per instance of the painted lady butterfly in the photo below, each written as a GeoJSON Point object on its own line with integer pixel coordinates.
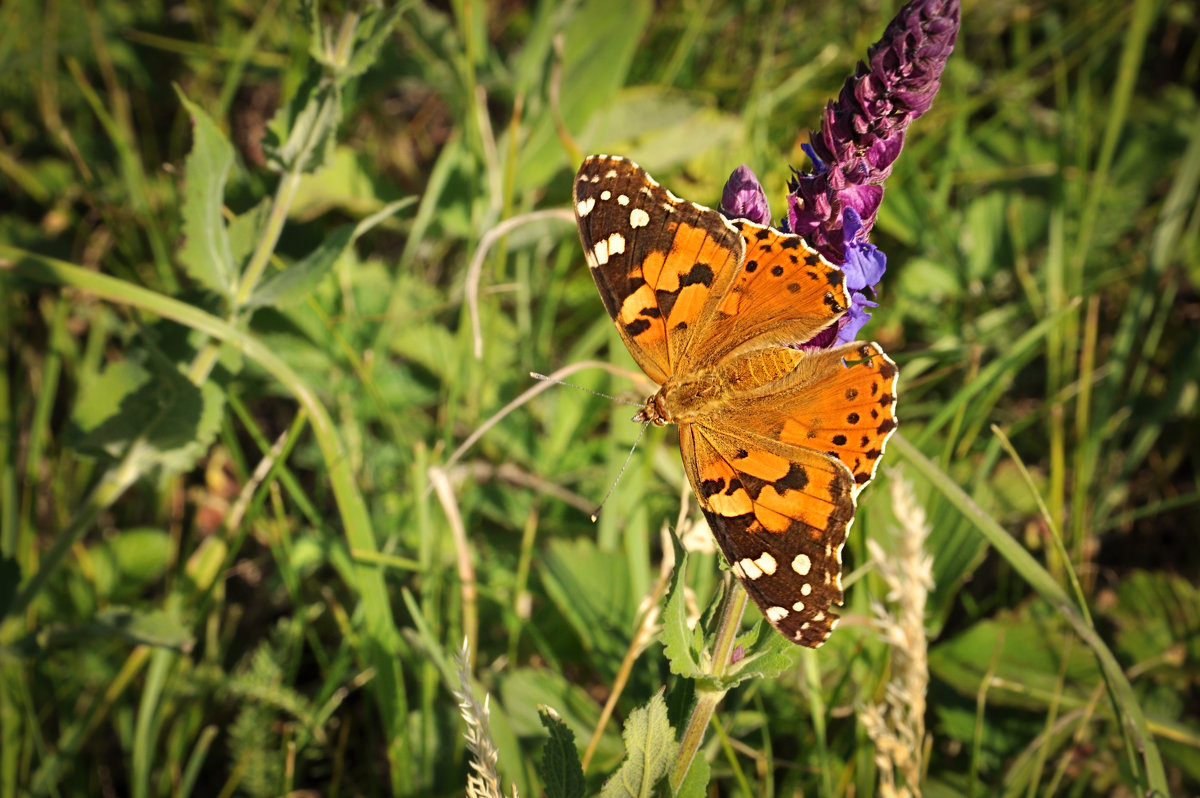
{"type": "Point", "coordinates": [777, 441]}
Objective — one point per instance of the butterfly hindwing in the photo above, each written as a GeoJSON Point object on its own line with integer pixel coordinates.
{"type": "Point", "coordinates": [780, 515]}
{"type": "Point", "coordinates": [841, 401]}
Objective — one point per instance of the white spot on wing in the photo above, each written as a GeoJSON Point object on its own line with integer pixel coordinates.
{"type": "Point", "coordinates": [605, 194]}
{"type": "Point", "coordinates": [802, 565]}
{"type": "Point", "coordinates": [616, 244]}
{"type": "Point", "coordinates": [584, 207]}
{"type": "Point", "coordinates": [638, 218]}
{"type": "Point", "coordinates": [601, 251]}
{"type": "Point", "coordinates": [751, 570]}
{"type": "Point", "coordinates": [767, 563]}
{"type": "Point", "coordinates": [805, 589]}
{"type": "Point", "coordinates": [776, 614]}
{"type": "Point", "coordinates": [798, 606]}
{"type": "Point", "coordinates": [622, 200]}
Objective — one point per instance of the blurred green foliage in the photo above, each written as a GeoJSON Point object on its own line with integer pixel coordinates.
{"type": "Point", "coordinates": [240, 542]}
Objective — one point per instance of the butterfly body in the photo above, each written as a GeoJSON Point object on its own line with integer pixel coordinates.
{"type": "Point", "coordinates": [707, 393]}
{"type": "Point", "coordinates": [777, 441]}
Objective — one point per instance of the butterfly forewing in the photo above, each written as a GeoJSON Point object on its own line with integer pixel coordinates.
{"type": "Point", "coordinates": [657, 260]}
{"type": "Point", "coordinates": [785, 293]}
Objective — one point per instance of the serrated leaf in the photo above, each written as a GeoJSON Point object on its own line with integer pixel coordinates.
{"type": "Point", "coordinates": [650, 749]}
{"type": "Point", "coordinates": [245, 231]}
{"type": "Point", "coordinates": [298, 280]}
{"type": "Point", "coordinates": [206, 255]}
{"type": "Point", "coordinates": [560, 769]}
{"type": "Point", "coordinates": [308, 129]}
{"type": "Point", "coordinates": [367, 52]}
{"type": "Point", "coordinates": [310, 13]}
{"type": "Point", "coordinates": [152, 405]}
{"type": "Point", "coordinates": [680, 644]}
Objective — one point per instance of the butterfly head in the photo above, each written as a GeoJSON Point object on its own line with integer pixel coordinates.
{"type": "Point", "coordinates": [653, 412]}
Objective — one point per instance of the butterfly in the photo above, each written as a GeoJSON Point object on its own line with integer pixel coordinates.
{"type": "Point", "coordinates": [777, 441]}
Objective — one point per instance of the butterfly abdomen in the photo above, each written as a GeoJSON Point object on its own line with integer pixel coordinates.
{"type": "Point", "coordinates": [758, 368]}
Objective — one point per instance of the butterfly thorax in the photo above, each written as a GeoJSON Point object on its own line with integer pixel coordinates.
{"type": "Point", "coordinates": [702, 393]}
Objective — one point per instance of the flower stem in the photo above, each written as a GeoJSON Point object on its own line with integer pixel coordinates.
{"type": "Point", "coordinates": [708, 696]}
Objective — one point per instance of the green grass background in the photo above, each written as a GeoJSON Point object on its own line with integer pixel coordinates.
{"type": "Point", "coordinates": [240, 544]}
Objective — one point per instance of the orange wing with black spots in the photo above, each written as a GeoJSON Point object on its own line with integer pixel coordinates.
{"type": "Point", "coordinates": [776, 441]}
{"type": "Point", "coordinates": [840, 401]}
{"type": "Point", "coordinates": [785, 293]}
{"type": "Point", "coordinates": [780, 515]}
{"type": "Point", "coordinates": [656, 259]}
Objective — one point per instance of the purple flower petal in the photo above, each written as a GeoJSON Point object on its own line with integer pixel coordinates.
{"type": "Point", "coordinates": [855, 319]}
{"type": "Point", "coordinates": [865, 263]}
{"type": "Point", "coordinates": [744, 198]}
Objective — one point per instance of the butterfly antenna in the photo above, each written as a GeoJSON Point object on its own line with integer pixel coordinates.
{"type": "Point", "coordinates": [621, 473]}
{"type": "Point", "coordinates": [616, 399]}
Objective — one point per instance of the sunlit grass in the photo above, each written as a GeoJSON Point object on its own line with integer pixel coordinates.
{"type": "Point", "coordinates": [272, 596]}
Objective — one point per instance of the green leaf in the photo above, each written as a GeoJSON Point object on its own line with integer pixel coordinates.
{"type": "Point", "coordinates": [298, 280]}
{"type": "Point", "coordinates": [124, 564]}
{"type": "Point", "coordinates": [681, 645]}
{"type": "Point", "coordinates": [601, 38]}
{"type": "Point", "coordinates": [591, 588]}
{"type": "Point", "coordinates": [307, 130]}
{"type": "Point", "coordinates": [767, 656]}
{"type": "Point", "coordinates": [1155, 612]}
{"type": "Point", "coordinates": [367, 52]}
{"type": "Point", "coordinates": [560, 770]}
{"type": "Point", "coordinates": [650, 749]}
{"type": "Point", "coordinates": [695, 783]}
{"type": "Point", "coordinates": [1023, 648]}
{"type": "Point", "coordinates": [157, 628]}
{"type": "Point", "coordinates": [525, 689]}
{"type": "Point", "coordinates": [245, 231]}
{"type": "Point", "coordinates": [151, 406]}
{"type": "Point", "coordinates": [206, 254]}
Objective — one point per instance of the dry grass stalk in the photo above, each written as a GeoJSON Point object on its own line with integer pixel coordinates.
{"type": "Point", "coordinates": [483, 781]}
{"type": "Point", "coordinates": [897, 725]}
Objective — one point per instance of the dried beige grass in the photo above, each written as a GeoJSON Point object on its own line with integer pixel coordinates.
{"type": "Point", "coordinates": [483, 781]}
{"type": "Point", "coordinates": [897, 724]}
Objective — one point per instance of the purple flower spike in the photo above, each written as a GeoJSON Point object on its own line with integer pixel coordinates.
{"type": "Point", "coordinates": [744, 198]}
{"type": "Point", "coordinates": [863, 130]}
